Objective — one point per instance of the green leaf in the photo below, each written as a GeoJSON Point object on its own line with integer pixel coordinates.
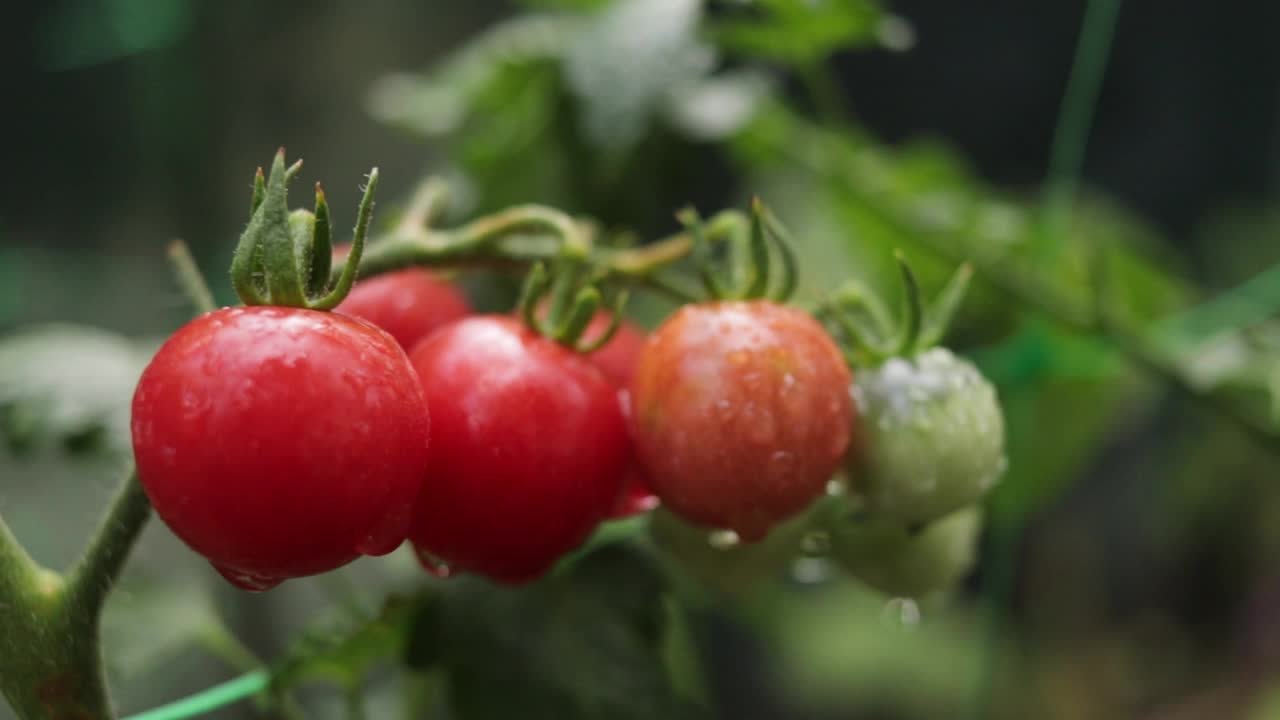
{"type": "Point", "coordinates": [577, 646]}
{"type": "Point", "coordinates": [342, 649]}
{"type": "Point", "coordinates": [448, 97]}
{"type": "Point", "coordinates": [622, 67]}
{"type": "Point", "coordinates": [68, 384]}
{"type": "Point", "coordinates": [801, 32]}
{"type": "Point", "coordinates": [570, 5]}
{"type": "Point", "coordinates": [717, 107]}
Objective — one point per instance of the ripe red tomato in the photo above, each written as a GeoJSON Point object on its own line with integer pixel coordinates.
{"type": "Point", "coordinates": [742, 413]}
{"type": "Point", "coordinates": [409, 304]}
{"type": "Point", "coordinates": [281, 442]}
{"type": "Point", "coordinates": [529, 450]}
{"type": "Point", "coordinates": [617, 360]}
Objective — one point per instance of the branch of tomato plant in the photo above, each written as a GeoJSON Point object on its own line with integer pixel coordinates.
{"type": "Point", "coordinates": [826, 158]}
{"type": "Point", "coordinates": [525, 234]}
{"type": "Point", "coordinates": [50, 658]}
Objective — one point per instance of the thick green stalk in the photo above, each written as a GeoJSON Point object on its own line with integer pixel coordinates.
{"type": "Point", "coordinates": [50, 660]}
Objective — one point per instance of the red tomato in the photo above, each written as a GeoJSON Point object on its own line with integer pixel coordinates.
{"type": "Point", "coordinates": [617, 360]}
{"type": "Point", "coordinates": [410, 304]}
{"type": "Point", "coordinates": [637, 497]}
{"type": "Point", "coordinates": [529, 449]}
{"type": "Point", "coordinates": [742, 413]}
{"type": "Point", "coordinates": [281, 442]}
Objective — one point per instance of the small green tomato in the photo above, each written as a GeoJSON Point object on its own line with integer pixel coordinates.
{"type": "Point", "coordinates": [932, 437]}
{"type": "Point", "coordinates": [902, 563]}
{"type": "Point", "coordinates": [717, 560]}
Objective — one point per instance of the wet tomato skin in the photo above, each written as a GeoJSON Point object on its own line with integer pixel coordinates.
{"type": "Point", "coordinates": [617, 360]}
{"type": "Point", "coordinates": [742, 413]}
{"type": "Point", "coordinates": [281, 442]}
{"type": "Point", "coordinates": [529, 449]}
{"type": "Point", "coordinates": [409, 304]}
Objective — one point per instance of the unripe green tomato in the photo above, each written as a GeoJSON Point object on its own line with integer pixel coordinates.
{"type": "Point", "coordinates": [727, 567]}
{"type": "Point", "coordinates": [932, 437]}
{"type": "Point", "coordinates": [897, 561]}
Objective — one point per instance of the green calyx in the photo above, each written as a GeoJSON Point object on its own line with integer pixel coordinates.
{"type": "Point", "coordinates": [871, 336]}
{"type": "Point", "coordinates": [751, 263]}
{"type": "Point", "coordinates": [571, 300]}
{"type": "Point", "coordinates": [284, 257]}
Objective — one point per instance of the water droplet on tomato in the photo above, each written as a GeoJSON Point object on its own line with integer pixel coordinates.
{"type": "Point", "coordinates": [432, 564]}
{"type": "Point", "coordinates": [763, 429]}
{"type": "Point", "coordinates": [725, 410]}
{"type": "Point", "coordinates": [388, 533]}
{"type": "Point", "coordinates": [247, 581]}
{"type": "Point", "coordinates": [723, 539]}
{"type": "Point", "coordinates": [782, 462]}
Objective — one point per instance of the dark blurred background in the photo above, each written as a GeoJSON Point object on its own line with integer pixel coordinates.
{"type": "Point", "coordinates": [128, 123]}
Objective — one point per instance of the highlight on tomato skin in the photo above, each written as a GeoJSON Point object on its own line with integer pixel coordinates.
{"type": "Point", "coordinates": [281, 442]}
{"type": "Point", "coordinates": [742, 413]}
{"type": "Point", "coordinates": [529, 450]}
{"type": "Point", "coordinates": [409, 304]}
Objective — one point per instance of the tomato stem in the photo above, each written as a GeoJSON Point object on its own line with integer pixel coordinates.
{"type": "Point", "coordinates": [190, 278]}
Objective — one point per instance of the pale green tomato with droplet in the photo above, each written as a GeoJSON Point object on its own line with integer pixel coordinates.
{"type": "Point", "coordinates": [719, 560]}
{"type": "Point", "coordinates": [932, 437]}
{"type": "Point", "coordinates": [900, 562]}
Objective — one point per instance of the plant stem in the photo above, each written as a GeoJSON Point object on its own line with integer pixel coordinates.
{"type": "Point", "coordinates": [189, 278]}
{"type": "Point", "coordinates": [91, 579]}
{"type": "Point", "coordinates": [19, 574]}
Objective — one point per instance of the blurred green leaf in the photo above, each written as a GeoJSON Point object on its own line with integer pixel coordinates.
{"type": "Point", "coordinates": [77, 33]}
{"type": "Point", "coordinates": [571, 647]}
{"type": "Point", "coordinates": [622, 67]}
{"type": "Point", "coordinates": [800, 32]}
{"type": "Point", "coordinates": [572, 5]}
{"type": "Point", "coordinates": [184, 611]}
{"type": "Point", "coordinates": [716, 107]}
{"type": "Point", "coordinates": [69, 384]}
{"type": "Point", "coordinates": [343, 648]}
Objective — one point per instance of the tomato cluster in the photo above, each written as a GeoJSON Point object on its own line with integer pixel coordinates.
{"type": "Point", "coordinates": [282, 442]}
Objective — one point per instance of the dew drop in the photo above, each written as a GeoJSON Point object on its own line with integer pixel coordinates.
{"type": "Point", "coordinates": [763, 430]}
{"type": "Point", "coordinates": [816, 543]}
{"type": "Point", "coordinates": [723, 539]}
{"type": "Point", "coordinates": [810, 570]}
{"type": "Point", "coordinates": [782, 462]}
{"type": "Point", "coordinates": [247, 581]}
{"type": "Point", "coordinates": [387, 534]}
{"type": "Point", "coordinates": [738, 357]}
{"type": "Point", "coordinates": [836, 488]}
{"type": "Point", "coordinates": [725, 410]}
{"type": "Point", "coordinates": [432, 564]}
{"type": "Point", "coordinates": [901, 614]}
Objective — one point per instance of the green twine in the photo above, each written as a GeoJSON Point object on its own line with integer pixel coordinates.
{"type": "Point", "coordinates": [209, 700]}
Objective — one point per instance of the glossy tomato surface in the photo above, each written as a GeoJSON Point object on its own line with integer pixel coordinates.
{"type": "Point", "coordinates": [409, 304]}
{"type": "Point", "coordinates": [281, 442]}
{"type": "Point", "coordinates": [742, 413]}
{"type": "Point", "coordinates": [618, 358]}
{"type": "Point", "coordinates": [529, 449]}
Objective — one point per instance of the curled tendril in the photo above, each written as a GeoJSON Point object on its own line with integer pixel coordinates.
{"type": "Point", "coordinates": [871, 336]}
{"type": "Point", "coordinates": [753, 243]}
